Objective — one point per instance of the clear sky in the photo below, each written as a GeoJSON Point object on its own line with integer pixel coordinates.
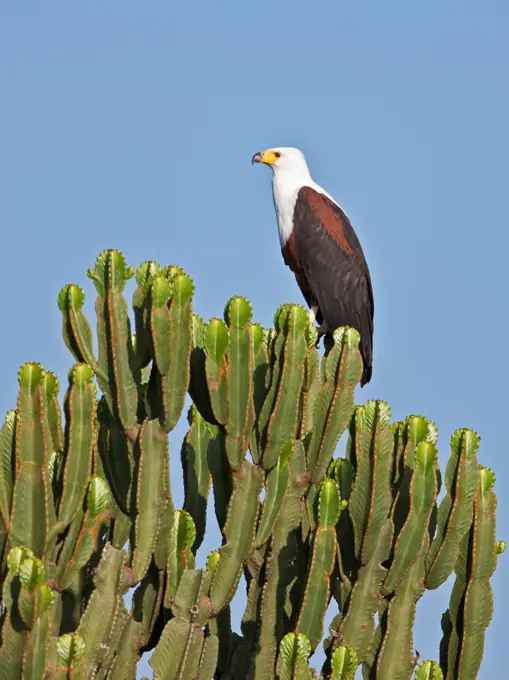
{"type": "Point", "coordinates": [132, 125]}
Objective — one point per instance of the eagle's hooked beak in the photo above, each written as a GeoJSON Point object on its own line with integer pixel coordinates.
{"type": "Point", "coordinates": [267, 157]}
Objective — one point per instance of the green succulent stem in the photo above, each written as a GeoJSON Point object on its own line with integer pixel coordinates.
{"type": "Point", "coordinates": [98, 567]}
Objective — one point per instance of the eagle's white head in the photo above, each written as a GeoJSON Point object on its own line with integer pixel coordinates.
{"type": "Point", "coordinates": [290, 173]}
{"type": "Point", "coordinates": [284, 160]}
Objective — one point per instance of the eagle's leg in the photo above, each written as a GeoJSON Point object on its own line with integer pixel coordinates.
{"type": "Point", "coordinates": [322, 330]}
{"type": "Point", "coordinates": [312, 313]}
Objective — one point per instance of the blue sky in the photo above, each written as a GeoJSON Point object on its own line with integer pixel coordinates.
{"type": "Point", "coordinates": [132, 125]}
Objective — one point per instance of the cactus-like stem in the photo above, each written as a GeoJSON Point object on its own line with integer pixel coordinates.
{"type": "Point", "coordinates": [13, 628]}
{"type": "Point", "coordinates": [311, 386]}
{"type": "Point", "coordinates": [146, 607]}
{"type": "Point", "coordinates": [174, 343]}
{"type": "Point", "coordinates": [342, 370]}
{"type": "Point", "coordinates": [150, 499]}
{"type": "Point", "coordinates": [316, 593]}
{"type": "Point", "coordinates": [86, 512]}
{"type": "Point", "coordinates": [398, 431]}
{"type": "Point", "coordinates": [123, 663]}
{"type": "Point", "coordinates": [196, 472]}
{"type": "Point", "coordinates": [217, 340]}
{"type": "Point", "coordinates": [37, 643]}
{"type": "Point", "coordinates": [36, 658]}
{"type": "Point", "coordinates": [456, 509]}
{"type": "Point", "coordinates": [122, 526]}
{"type": "Point", "coordinates": [184, 650]}
{"type": "Point", "coordinates": [76, 329]}
{"type": "Point", "coordinates": [221, 474]}
{"type": "Point", "coordinates": [422, 492]}
{"type": "Point", "coordinates": [242, 648]}
{"type": "Point", "coordinates": [408, 435]}
{"type": "Point", "coordinates": [162, 546]}
{"type": "Point", "coordinates": [145, 275]}
{"type": "Point", "coordinates": [283, 553]}
{"type": "Point", "coordinates": [283, 425]}
{"type": "Point", "coordinates": [371, 445]}
{"type": "Point", "coordinates": [80, 437]}
{"type": "Point", "coordinates": [416, 430]}
{"type": "Point", "coordinates": [294, 651]}
{"type": "Point", "coordinates": [429, 670]}
{"type": "Point", "coordinates": [52, 386]}
{"type": "Point", "coordinates": [27, 619]}
{"type": "Point", "coordinates": [33, 514]}
{"type": "Point", "coordinates": [82, 539]}
{"type": "Point", "coordinates": [160, 294]}
{"type": "Point", "coordinates": [344, 663]}
{"type": "Point", "coordinates": [239, 382]}
{"type": "Point", "coordinates": [220, 625]}
{"type": "Point", "coordinates": [260, 367]}
{"type": "Point", "coordinates": [117, 458]}
{"type": "Point", "coordinates": [7, 456]}
{"type": "Point", "coordinates": [368, 665]}
{"type": "Point", "coordinates": [276, 485]}
{"type": "Point", "coordinates": [180, 557]}
{"type": "Point", "coordinates": [275, 341]}
{"type": "Point", "coordinates": [239, 531]}
{"type": "Point", "coordinates": [471, 603]}
{"type": "Point", "coordinates": [191, 602]}
{"type": "Point", "coordinates": [198, 386]}
{"type": "Point", "coordinates": [116, 357]}
{"type": "Point", "coordinates": [356, 628]}
{"type": "Point", "coordinates": [396, 659]}
{"type": "Point", "coordinates": [69, 651]}
{"type": "Point", "coordinates": [342, 471]}
{"type": "Point", "coordinates": [104, 606]}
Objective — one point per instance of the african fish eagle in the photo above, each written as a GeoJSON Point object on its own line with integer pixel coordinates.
{"type": "Point", "coordinates": [322, 250]}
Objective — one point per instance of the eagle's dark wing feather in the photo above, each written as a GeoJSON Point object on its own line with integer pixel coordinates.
{"type": "Point", "coordinates": [331, 258]}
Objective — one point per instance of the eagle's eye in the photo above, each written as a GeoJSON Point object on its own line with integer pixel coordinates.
{"type": "Point", "coordinates": [277, 154]}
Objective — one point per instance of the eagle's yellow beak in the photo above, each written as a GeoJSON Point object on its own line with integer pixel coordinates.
{"type": "Point", "coordinates": [267, 157]}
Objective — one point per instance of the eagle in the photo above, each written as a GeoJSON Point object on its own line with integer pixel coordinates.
{"type": "Point", "coordinates": [321, 248]}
